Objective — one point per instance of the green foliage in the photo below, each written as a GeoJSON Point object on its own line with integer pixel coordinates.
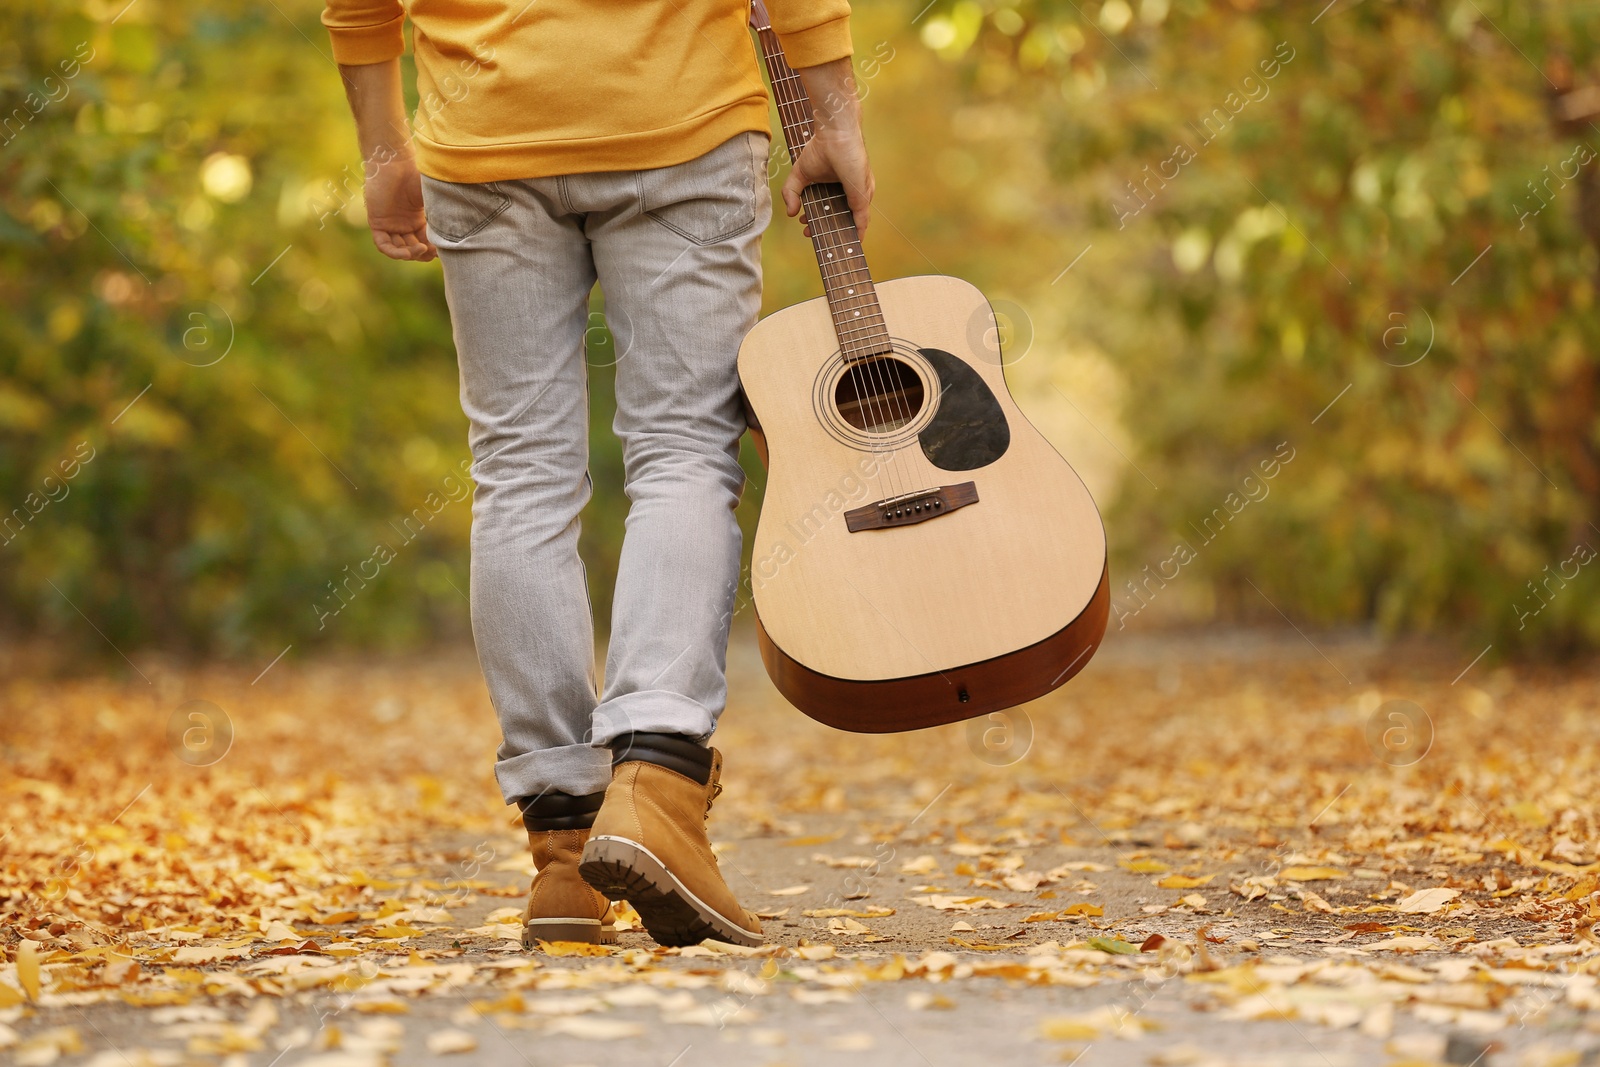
{"type": "Point", "coordinates": [1290, 211]}
{"type": "Point", "coordinates": [269, 407]}
{"type": "Point", "coordinates": [190, 297]}
{"type": "Point", "coordinates": [190, 291]}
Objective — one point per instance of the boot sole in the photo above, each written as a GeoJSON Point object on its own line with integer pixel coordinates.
{"type": "Point", "coordinates": [589, 931]}
{"type": "Point", "coordinates": [674, 916]}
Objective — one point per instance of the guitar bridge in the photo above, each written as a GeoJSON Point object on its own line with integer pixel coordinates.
{"type": "Point", "coordinates": [910, 508]}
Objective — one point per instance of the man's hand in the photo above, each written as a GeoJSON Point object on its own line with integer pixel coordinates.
{"type": "Point", "coordinates": [393, 186]}
{"type": "Point", "coordinates": [837, 152]}
{"type": "Point", "coordinates": [394, 209]}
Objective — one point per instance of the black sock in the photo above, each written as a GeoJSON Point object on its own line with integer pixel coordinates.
{"type": "Point", "coordinates": [673, 751]}
{"type": "Point", "coordinates": [558, 811]}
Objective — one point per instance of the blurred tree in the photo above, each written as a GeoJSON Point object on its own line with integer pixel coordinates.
{"type": "Point", "coordinates": [191, 298]}
{"type": "Point", "coordinates": [227, 422]}
{"type": "Point", "coordinates": [1367, 231]}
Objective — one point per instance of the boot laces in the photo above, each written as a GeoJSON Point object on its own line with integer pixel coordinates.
{"type": "Point", "coordinates": [714, 785]}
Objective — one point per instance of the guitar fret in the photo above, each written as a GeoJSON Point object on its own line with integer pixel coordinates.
{"type": "Point", "coordinates": [874, 339]}
{"type": "Point", "coordinates": [846, 280]}
{"type": "Point", "coordinates": [856, 325]}
{"type": "Point", "coordinates": [850, 293]}
{"type": "Point", "coordinates": [877, 329]}
{"type": "Point", "coordinates": [853, 314]}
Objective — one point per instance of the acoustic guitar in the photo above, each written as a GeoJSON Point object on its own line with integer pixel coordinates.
{"type": "Point", "coordinates": [923, 554]}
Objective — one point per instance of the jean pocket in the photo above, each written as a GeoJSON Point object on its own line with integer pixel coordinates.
{"type": "Point", "coordinates": [457, 210]}
{"type": "Point", "coordinates": [707, 199]}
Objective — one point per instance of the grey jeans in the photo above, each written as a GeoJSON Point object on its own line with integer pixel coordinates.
{"type": "Point", "coordinates": [676, 251]}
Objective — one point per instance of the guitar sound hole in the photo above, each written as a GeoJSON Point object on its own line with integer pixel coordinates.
{"type": "Point", "coordinates": [879, 394]}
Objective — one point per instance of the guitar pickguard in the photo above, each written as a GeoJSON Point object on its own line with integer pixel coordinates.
{"type": "Point", "coordinates": [969, 430]}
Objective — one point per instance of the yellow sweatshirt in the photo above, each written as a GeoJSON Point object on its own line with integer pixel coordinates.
{"type": "Point", "coordinates": [531, 88]}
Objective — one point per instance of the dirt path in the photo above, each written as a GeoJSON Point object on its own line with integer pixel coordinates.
{"type": "Point", "coordinates": [1210, 849]}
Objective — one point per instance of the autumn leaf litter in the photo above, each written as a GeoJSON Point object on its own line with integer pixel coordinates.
{"type": "Point", "coordinates": [307, 866]}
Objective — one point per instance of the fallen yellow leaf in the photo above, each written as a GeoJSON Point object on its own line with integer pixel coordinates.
{"type": "Point", "coordinates": [1184, 881]}
{"type": "Point", "coordinates": [336, 918]}
{"type": "Point", "coordinates": [1313, 902]}
{"type": "Point", "coordinates": [872, 912]}
{"type": "Point", "coordinates": [400, 930]}
{"type": "Point", "coordinates": [945, 902]}
{"type": "Point", "coordinates": [381, 1007]}
{"type": "Point", "coordinates": [1311, 874]}
{"type": "Point", "coordinates": [575, 948]}
{"type": "Point", "coordinates": [1424, 901]}
{"type": "Point", "coordinates": [1067, 1030]}
{"type": "Point", "coordinates": [28, 969]}
{"type": "Point", "coordinates": [444, 1042]}
{"type": "Point", "coordinates": [119, 969]}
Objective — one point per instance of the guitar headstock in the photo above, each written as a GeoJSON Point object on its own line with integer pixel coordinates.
{"type": "Point", "coordinates": [759, 19]}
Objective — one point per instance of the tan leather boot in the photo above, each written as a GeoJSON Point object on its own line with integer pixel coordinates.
{"type": "Point", "coordinates": [649, 845]}
{"type": "Point", "coordinates": [561, 905]}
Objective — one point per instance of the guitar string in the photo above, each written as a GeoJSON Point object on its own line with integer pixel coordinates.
{"type": "Point", "coordinates": [794, 121]}
{"type": "Point", "coordinates": [790, 84]}
{"type": "Point", "coordinates": [820, 220]}
{"type": "Point", "coordinates": [890, 396]}
{"type": "Point", "coordinates": [833, 233]}
{"type": "Point", "coordinates": [792, 105]}
{"type": "Point", "coordinates": [792, 109]}
{"type": "Point", "coordinates": [834, 239]}
{"type": "Point", "coordinates": [888, 383]}
{"type": "Point", "coordinates": [885, 371]}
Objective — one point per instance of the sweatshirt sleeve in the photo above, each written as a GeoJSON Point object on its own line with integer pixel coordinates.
{"type": "Point", "coordinates": [365, 31]}
{"type": "Point", "coordinates": [812, 31]}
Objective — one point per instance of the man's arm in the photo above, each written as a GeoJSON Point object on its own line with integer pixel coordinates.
{"type": "Point", "coordinates": [393, 191]}
{"type": "Point", "coordinates": [816, 38]}
{"type": "Point", "coordinates": [368, 39]}
{"type": "Point", "coordinates": [837, 151]}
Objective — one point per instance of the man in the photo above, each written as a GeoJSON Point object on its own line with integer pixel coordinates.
{"type": "Point", "coordinates": [559, 143]}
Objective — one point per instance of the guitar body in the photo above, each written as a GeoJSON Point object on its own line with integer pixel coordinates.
{"type": "Point", "coordinates": [923, 554]}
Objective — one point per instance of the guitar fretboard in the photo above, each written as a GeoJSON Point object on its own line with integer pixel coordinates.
{"type": "Point", "coordinates": [846, 281]}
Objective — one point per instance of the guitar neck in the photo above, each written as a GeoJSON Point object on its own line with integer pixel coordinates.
{"type": "Point", "coordinates": [846, 281]}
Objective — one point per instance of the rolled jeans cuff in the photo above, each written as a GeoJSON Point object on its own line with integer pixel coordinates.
{"type": "Point", "coordinates": [576, 770]}
{"type": "Point", "coordinates": [651, 711]}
